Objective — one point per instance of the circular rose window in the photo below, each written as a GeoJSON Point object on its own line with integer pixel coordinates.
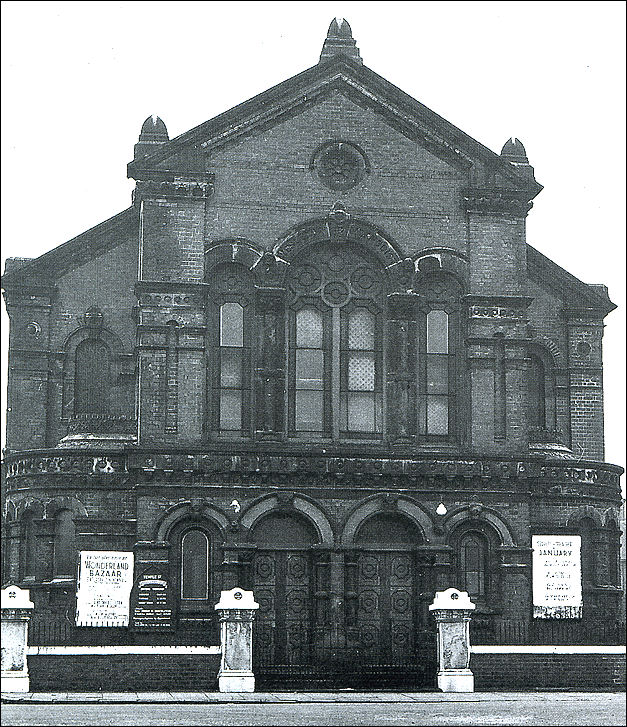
{"type": "Point", "coordinates": [339, 165]}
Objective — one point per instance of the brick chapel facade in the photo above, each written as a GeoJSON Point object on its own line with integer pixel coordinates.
{"type": "Point", "coordinates": [316, 358]}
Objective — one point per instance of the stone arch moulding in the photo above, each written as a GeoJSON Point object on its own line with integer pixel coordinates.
{"type": "Point", "coordinates": [300, 504]}
{"type": "Point", "coordinates": [585, 511]}
{"type": "Point", "coordinates": [466, 513]}
{"type": "Point", "coordinates": [239, 251]}
{"type": "Point", "coordinates": [338, 226]}
{"type": "Point", "coordinates": [611, 515]}
{"type": "Point", "coordinates": [442, 260]}
{"type": "Point", "coordinates": [193, 511]}
{"type": "Point", "coordinates": [26, 505]}
{"type": "Point", "coordinates": [378, 504]}
{"type": "Point", "coordinates": [65, 503]}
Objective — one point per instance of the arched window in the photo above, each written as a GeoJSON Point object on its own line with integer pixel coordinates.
{"type": "Point", "coordinates": [437, 374]}
{"type": "Point", "coordinates": [195, 565]}
{"type": "Point", "coordinates": [311, 359]}
{"type": "Point", "coordinates": [92, 380]}
{"type": "Point", "coordinates": [231, 361]}
{"type": "Point", "coordinates": [537, 393]}
{"type": "Point", "coordinates": [229, 351]}
{"type": "Point", "coordinates": [438, 347]}
{"type": "Point", "coordinates": [360, 383]}
{"type": "Point", "coordinates": [473, 549]}
{"type": "Point", "coordinates": [64, 544]}
{"type": "Point", "coordinates": [335, 351]}
{"type": "Point", "coordinates": [475, 546]}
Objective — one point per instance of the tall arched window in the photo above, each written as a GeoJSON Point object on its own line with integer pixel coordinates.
{"type": "Point", "coordinates": [473, 551]}
{"type": "Point", "coordinates": [92, 380]}
{"type": "Point", "coordinates": [195, 565]}
{"type": "Point", "coordinates": [231, 364]}
{"type": "Point", "coordinates": [310, 360]}
{"type": "Point", "coordinates": [437, 374]}
{"type": "Point", "coordinates": [229, 351]}
{"type": "Point", "coordinates": [64, 544]}
{"type": "Point", "coordinates": [537, 393]}
{"type": "Point", "coordinates": [360, 384]}
{"type": "Point", "coordinates": [335, 343]}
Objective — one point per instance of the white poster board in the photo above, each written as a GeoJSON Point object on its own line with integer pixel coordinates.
{"type": "Point", "coordinates": [105, 579]}
{"type": "Point", "coordinates": [556, 576]}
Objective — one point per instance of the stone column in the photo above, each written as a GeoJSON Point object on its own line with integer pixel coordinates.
{"type": "Point", "coordinates": [16, 609]}
{"type": "Point", "coordinates": [452, 609]}
{"type": "Point", "coordinates": [237, 611]}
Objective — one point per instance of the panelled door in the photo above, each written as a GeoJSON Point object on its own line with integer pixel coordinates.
{"type": "Point", "coordinates": [386, 598]}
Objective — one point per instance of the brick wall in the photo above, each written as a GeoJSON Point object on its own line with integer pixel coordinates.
{"type": "Point", "coordinates": [264, 185]}
{"type": "Point", "coordinates": [566, 672]}
{"type": "Point", "coordinates": [124, 672]}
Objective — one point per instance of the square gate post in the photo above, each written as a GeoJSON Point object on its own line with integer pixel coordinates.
{"type": "Point", "coordinates": [16, 608]}
{"type": "Point", "coordinates": [237, 611]}
{"type": "Point", "coordinates": [452, 609]}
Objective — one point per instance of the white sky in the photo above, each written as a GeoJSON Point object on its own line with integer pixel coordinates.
{"type": "Point", "coordinates": [79, 78]}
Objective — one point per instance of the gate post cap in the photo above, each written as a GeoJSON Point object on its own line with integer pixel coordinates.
{"type": "Point", "coordinates": [236, 598]}
{"type": "Point", "coordinates": [15, 597]}
{"type": "Point", "coordinates": [451, 599]}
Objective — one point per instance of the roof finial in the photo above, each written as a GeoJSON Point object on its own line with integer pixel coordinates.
{"type": "Point", "coordinates": [153, 133]}
{"type": "Point", "coordinates": [340, 41]}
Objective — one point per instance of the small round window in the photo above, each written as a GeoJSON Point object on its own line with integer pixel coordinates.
{"type": "Point", "coordinates": [340, 165]}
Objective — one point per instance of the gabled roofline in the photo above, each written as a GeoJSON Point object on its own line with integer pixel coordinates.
{"type": "Point", "coordinates": [373, 87]}
{"type": "Point", "coordinates": [589, 296]}
{"type": "Point", "coordinates": [80, 249]}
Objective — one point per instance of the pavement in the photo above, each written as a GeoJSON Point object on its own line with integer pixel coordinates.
{"type": "Point", "coordinates": [342, 696]}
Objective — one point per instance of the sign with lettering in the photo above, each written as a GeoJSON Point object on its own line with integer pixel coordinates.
{"type": "Point", "coordinates": [151, 601]}
{"type": "Point", "coordinates": [556, 576]}
{"type": "Point", "coordinates": [105, 579]}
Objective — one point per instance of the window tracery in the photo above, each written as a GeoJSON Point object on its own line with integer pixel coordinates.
{"type": "Point", "coordinates": [335, 351]}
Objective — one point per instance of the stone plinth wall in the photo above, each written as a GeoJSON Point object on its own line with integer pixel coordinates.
{"type": "Point", "coordinates": [124, 672]}
{"type": "Point", "coordinates": [575, 672]}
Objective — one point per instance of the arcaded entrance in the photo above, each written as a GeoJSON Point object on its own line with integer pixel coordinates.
{"type": "Point", "coordinates": [354, 617]}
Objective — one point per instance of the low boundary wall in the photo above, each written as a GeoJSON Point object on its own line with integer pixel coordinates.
{"type": "Point", "coordinates": [547, 668]}
{"type": "Point", "coordinates": [123, 668]}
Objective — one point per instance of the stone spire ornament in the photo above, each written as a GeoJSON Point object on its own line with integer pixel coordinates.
{"type": "Point", "coordinates": [340, 40]}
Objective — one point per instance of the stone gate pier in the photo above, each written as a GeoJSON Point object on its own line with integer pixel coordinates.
{"type": "Point", "coordinates": [452, 610]}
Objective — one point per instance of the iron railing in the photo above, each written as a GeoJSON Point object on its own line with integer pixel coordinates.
{"type": "Point", "coordinates": [549, 633]}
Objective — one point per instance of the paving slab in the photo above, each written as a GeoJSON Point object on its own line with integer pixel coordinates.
{"type": "Point", "coordinates": [154, 697]}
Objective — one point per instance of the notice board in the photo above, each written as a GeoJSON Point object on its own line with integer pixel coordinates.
{"type": "Point", "coordinates": [556, 576]}
{"type": "Point", "coordinates": [105, 579]}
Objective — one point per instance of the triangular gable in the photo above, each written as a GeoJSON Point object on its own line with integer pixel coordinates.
{"type": "Point", "coordinates": [361, 85]}
{"type": "Point", "coordinates": [75, 252]}
{"type": "Point", "coordinates": [573, 292]}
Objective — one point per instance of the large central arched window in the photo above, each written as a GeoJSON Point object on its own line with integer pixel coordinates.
{"type": "Point", "coordinates": [335, 353]}
{"type": "Point", "coordinates": [310, 361]}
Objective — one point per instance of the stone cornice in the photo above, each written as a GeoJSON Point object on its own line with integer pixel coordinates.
{"type": "Point", "coordinates": [502, 202]}
{"type": "Point", "coordinates": [188, 188]}
{"type": "Point", "coordinates": [148, 463]}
